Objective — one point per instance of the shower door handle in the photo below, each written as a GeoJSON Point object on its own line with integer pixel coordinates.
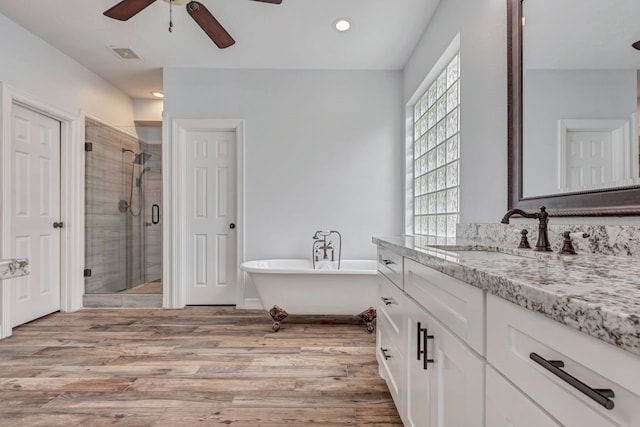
{"type": "Point", "coordinates": [155, 214]}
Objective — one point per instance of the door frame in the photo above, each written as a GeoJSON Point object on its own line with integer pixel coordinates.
{"type": "Point", "coordinates": [174, 181]}
{"type": "Point", "coordinates": [71, 198]}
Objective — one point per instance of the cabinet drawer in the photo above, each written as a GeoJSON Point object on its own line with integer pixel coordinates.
{"type": "Point", "coordinates": [390, 305]}
{"type": "Point", "coordinates": [508, 407]}
{"type": "Point", "coordinates": [390, 264]}
{"type": "Point", "coordinates": [517, 333]}
{"type": "Point", "coordinates": [459, 306]}
{"type": "Point", "coordinates": [390, 360]}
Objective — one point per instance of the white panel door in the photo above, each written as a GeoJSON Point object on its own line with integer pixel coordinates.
{"type": "Point", "coordinates": [589, 159]}
{"type": "Point", "coordinates": [35, 201]}
{"type": "Point", "coordinates": [211, 213]}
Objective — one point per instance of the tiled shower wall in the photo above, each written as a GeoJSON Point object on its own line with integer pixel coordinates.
{"type": "Point", "coordinates": [121, 250]}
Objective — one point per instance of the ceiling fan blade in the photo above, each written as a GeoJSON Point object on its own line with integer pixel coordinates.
{"type": "Point", "coordinates": [127, 9]}
{"type": "Point", "coordinates": [270, 1]}
{"type": "Point", "coordinates": [210, 25]}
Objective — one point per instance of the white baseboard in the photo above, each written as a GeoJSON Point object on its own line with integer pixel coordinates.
{"type": "Point", "coordinates": [252, 304]}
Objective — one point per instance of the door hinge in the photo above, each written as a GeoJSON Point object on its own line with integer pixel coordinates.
{"type": "Point", "coordinates": [88, 146]}
{"type": "Point", "coordinates": [87, 272]}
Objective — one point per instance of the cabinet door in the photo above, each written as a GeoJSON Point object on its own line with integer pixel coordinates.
{"type": "Point", "coordinates": [447, 390]}
{"type": "Point", "coordinates": [457, 381]}
{"type": "Point", "coordinates": [418, 381]}
{"type": "Point", "coordinates": [508, 407]}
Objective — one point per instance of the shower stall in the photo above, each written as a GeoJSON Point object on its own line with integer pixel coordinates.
{"type": "Point", "coordinates": [123, 188]}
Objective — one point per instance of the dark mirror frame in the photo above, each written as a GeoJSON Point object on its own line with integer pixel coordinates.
{"type": "Point", "coordinates": [614, 202]}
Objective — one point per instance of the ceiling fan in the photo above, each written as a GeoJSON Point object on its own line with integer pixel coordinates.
{"type": "Point", "coordinates": [126, 9]}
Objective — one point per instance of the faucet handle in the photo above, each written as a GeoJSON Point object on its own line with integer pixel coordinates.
{"type": "Point", "coordinates": [567, 244]}
{"type": "Point", "coordinates": [524, 242]}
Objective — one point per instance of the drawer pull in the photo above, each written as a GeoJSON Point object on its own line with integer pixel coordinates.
{"type": "Point", "coordinates": [599, 395]}
{"type": "Point", "coordinates": [386, 261]}
{"type": "Point", "coordinates": [425, 337]}
{"type": "Point", "coordinates": [384, 353]}
{"type": "Point", "coordinates": [387, 301]}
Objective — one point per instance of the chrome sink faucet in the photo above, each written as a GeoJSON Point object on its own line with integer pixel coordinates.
{"type": "Point", "coordinates": [543, 220]}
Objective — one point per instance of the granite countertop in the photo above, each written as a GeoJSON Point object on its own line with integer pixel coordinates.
{"type": "Point", "coordinates": [595, 294]}
{"type": "Point", "coordinates": [16, 267]}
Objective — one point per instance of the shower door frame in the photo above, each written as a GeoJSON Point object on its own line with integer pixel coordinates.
{"type": "Point", "coordinates": [174, 288]}
{"type": "Point", "coordinates": [71, 198]}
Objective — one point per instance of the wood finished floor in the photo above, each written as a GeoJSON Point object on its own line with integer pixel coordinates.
{"type": "Point", "coordinates": [201, 365]}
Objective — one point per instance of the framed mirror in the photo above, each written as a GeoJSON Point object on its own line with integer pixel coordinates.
{"type": "Point", "coordinates": [573, 106]}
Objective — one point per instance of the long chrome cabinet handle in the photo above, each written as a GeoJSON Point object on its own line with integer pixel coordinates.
{"type": "Point", "coordinates": [599, 395]}
{"type": "Point", "coordinates": [425, 337]}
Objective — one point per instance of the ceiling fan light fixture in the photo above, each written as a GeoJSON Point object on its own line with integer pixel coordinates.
{"type": "Point", "coordinates": [342, 24]}
{"type": "Point", "coordinates": [157, 94]}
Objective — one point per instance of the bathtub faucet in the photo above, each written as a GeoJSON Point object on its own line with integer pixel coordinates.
{"type": "Point", "coordinates": [322, 247]}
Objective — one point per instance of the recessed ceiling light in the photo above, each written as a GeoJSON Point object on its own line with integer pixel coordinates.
{"type": "Point", "coordinates": [342, 24]}
{"type": "Point", "coordinates": [157, 94]}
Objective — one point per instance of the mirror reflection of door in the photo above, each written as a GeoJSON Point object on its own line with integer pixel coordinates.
{"type": "Point", "coordinates": [594, 154]}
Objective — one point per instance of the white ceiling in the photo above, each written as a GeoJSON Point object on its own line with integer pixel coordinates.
{"type": "Point", "coordinates": [297, 34]}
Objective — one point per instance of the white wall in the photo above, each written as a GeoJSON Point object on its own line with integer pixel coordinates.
{"type": "Point", "coordinates": [323, 149]}
{"type": "Point", "coordinates": [552, 95]}
{"type": "Point", "coordinates": [32, 66]}
{"type": "Point", "coordinates": [483, 121]}
{"type": "Point", "coordinates": [148, 110]}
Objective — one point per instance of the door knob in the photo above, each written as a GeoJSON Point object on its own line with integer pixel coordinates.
{"type": "Point", "coordinates": [58, 224]}
{"type": "Point", "coordinates": [232, 226]}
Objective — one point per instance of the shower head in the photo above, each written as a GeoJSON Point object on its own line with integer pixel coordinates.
{"type": "Point", "coordinates": [141, 158]}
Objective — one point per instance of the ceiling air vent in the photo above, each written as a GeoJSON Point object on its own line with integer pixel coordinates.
{"type": "Point", "coordinates": [125, 52]}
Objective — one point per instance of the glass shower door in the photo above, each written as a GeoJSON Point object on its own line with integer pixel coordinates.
{"type": "Point", "coordinates": [122, 210]}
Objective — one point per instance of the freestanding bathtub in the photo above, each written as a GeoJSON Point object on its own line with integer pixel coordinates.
{"type": "Point", "coordinates": [293, 286]}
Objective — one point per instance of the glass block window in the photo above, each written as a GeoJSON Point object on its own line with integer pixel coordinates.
{"type": "Point", "coordinates": [436, 155]}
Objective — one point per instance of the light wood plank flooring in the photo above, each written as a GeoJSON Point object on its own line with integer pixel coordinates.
{"type": "Point", "coordinates": [201, 365]}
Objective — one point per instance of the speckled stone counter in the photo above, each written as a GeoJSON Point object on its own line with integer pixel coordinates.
{"type": "Point", "coordinates": [10, 268]}
{"type": "Point", "coordinates": [595, 294]}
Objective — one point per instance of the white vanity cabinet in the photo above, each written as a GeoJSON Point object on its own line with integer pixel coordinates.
{"type": "Point", "coordinates": [539, 355]}
{"type": "Point", "coordinates": [445, 378]}
{"type": "Point", "coordinates": [444, 321]}
{"type": "Point", "coordinates": [390, 335]}
{"type": "Point", "coordinates": [470, 358]}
